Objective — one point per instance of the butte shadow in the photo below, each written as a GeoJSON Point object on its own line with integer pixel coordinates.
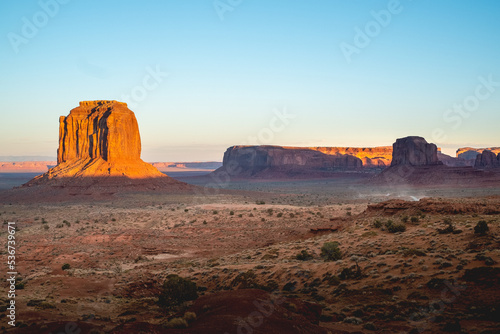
{"type": "Point", "coordinates": [99, 154]}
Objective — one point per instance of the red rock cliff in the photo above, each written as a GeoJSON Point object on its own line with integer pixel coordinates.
{"type": "Point", "coordinates": [99, 144]}
{"type": "Point", "coordinates": [414, 151]}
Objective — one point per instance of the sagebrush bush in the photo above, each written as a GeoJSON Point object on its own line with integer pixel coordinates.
{"type": "Point", "coordinates": [176, 290]}
{"type": "Point", "coordinates": [481, 227]}
{"type": "Point", "coordinates": [330, 251]}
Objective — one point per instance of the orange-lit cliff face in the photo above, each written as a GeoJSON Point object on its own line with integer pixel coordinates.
{"type": "Point", "coordinates": [470, 153]}
{"type": "Point", "coordinates": [99, 140]}
{"type": "Point", "coordinates": [370, 156]}
{"type": "Point", "coordinates": [99, 129]}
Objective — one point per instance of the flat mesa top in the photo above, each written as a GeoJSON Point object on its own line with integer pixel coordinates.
{"type": "Point", "coordinates": [100, 103]}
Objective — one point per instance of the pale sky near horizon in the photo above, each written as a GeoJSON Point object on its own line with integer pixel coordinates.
{"type": "Point", "coordinates": [203, 75]}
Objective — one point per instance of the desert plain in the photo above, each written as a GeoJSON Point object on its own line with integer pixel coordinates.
{"type": "Point", "coordinates": [242, 245]}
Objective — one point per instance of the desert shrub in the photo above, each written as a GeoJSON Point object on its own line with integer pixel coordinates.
{"type": "Point", "coordinates": [330, 251]}
{"type": "Point", "coordinates": [190, 316]}
{"type": "Point", "coordinates": [292, 215]}
{"type": "Point", "coordinates": [279, 215]}
{"type": "Point", "coordinates": [186, 210]}
{"type": "Point", "coordinates": [45, 227]}
{"type": "Point", "coordinates": [377, 224]}
{"type": "Point", "coordinates": [393, 228]}
{"type": "Point", "coordinates": [240, 215]}
{"type": "Point", "coordinates": [414, 219]}
{"type": "Point", "coordinates": [413, 251]}
{"type": "Point", "coordinates": [113, 219]}
{"type": "Point", "coordinates": [481, 227]}
{"type": "Point", "coordinates": [65, 266]}
{"type": "Point", "coordinates": [349, 213]}
{"type": "Point", "coordinates": [215, 212]}
{"type": "Point", "coordinates": [250, 215]}
{"type": "Point", "coordinates": [176, 290]}
{"type": "Point", "coordinates": [447, 221]}
{"type": "Point", "coordinates": [260, 202]}
{"type": "Point", "coordinates": [448, 229]}
{"type": "Point", "coordinates": [59, 225]}
{"type": "Point", "coordinates": [67, 223]}
{"type": "Point", "coordinates": [176, 323]}
{"type": "Point", "coordinates": [44, 221]}
{"type": "Point", "coordinates": [404, 219]}
{"type": "Point", "coordinates": [270, 212]}
{"type": "Point", "coordinates": [304, 256]}
{"type": "Point", "coordinates": [231, 213]}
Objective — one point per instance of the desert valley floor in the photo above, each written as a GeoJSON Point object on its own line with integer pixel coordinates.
{"type": "Point", "coordinates": [253, 251]}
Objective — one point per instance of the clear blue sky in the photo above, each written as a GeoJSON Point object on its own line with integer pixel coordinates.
{"type": "Point", "coordinates": [231, 67]}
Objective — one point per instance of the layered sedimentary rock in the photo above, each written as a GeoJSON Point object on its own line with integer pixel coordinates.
{"type": "Point", "coordinates": [470, 153]}
{"type": "Point", "coordinates": [414, 151]}
{"type": "Point", "coordinates": [99, 144]}
{"type": "Point", "coordinates": [454, 162]}
{"type": "Point", "coordinates": [487, 159]}
{"type": "Point", "coordinates": [372, 157]}
{"type": "Point", "coordinates": [259, 160]}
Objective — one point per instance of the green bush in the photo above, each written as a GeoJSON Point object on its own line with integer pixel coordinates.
{"type": "Point", "coordinates": [481, 227]}
{"type": "Point", "coordinates": [231, 213]}
{"type": "Point", "coordinates": [414, 219]}
{"type": "Point", "coordinates": [304, 256]}
{"type": "Point", "coordinates": [330, 251]}
{"type": "Point", "coordinates": [377, 224]}
{"type": "Point", "coordinates": [177, 290]}
{"type": "Point", "coordinates": [404, 219]}
{"type": "Point", "coordinates": [65, 266]}
{"type": "Point", "coordinates": [393, 228]}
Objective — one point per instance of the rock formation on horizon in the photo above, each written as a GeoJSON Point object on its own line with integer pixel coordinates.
{"type": "Point", "coordinates": [272, 160]}
{"type": "Point", "coordinates": [470, 153]}
{"type": "Point", "coordinates": [487, 159]}
{"type": "Point", "coordinates": [414, 151]}
{"type": "Point", "coordinates": [99, 144]}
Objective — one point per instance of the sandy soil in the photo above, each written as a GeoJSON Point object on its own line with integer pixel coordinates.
{"type": "Point", "coordinates": [121, 250]}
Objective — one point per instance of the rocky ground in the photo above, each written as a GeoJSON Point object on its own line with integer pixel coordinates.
{"type": "Point", "coordinates": [256, 259]}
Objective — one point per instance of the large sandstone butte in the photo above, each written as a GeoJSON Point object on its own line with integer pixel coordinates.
{"type": "Point", "coordinates": [487, 159]}
{"type": "Point", "coordinates": [270, 161]}
{"type": "Point", "coordinates": [414, 151]}
{"type": "Point", "coordinates": [100, 145]}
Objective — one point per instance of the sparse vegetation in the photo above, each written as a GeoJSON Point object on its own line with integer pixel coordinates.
{"type": "Point", "coordinates": [177, 290]}
{"type": "Point", "coordinates": [65, 266]}
{"type": "Point", "coordinates": [304, 256]}
{"type": "Point", "coordinates": [377, 223]}
{"type": "Point", "coordinates": [481, 228]}
{"type": "Point", "coordinates": [394, 227]}
{"type": "Point", "coordinates": [330, 251]}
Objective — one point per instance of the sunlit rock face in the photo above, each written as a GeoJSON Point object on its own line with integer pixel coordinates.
{"type": "Point", "coordinates": [487, 159]}
{"type": "Point", "coordinates": [414, 151]}
{"type": "Point", "coordinates": [252, 160]}
{"type": "Point", "coordinates": [99, 141]}
{"type": "Point", "coordinates": [105, 130]}
{"type": "Point", "coordinates": [372, 157]}
{"type": "Point", "coordinates": [470, 153]}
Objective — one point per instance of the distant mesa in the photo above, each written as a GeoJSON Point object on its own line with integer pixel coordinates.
{"type": "Point", "coordinates": [487, 159]}
{"type": "Point", "coordinates": [470, 153]}
{"type": "Point", "coordinates": [414, 151]}
{"type": "Point", "coordinates": [282, 161]}
{"type": "Point", "coordinates": [100, 145]}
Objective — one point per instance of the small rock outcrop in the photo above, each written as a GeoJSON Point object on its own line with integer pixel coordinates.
{"type": "Point", "coordinates": [266, 160]}
{"type": "Point", "coordinates": [487, 159]}
{"type": "Point", "coordinates": [100, 145]}
{"type": "Point", "coordinates": [414, 151]}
